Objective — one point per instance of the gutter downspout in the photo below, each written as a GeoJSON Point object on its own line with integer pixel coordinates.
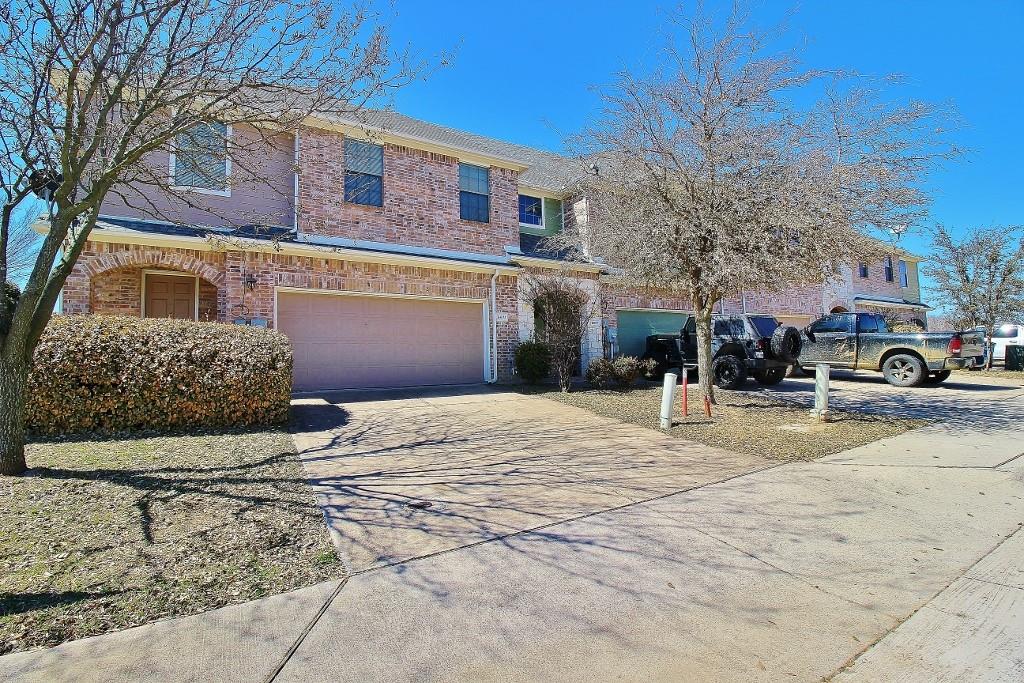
{"type": "Point", "coordinates": [295, 197]}
{"type": "Point", "coordinates": [493, 370]}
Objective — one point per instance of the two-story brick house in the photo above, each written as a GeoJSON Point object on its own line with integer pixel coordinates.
{"type": "Point", "coordinates": [391, 251]}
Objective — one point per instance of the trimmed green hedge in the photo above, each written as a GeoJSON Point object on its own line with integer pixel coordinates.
{"type": "Point", "coordinates": [115, 374]}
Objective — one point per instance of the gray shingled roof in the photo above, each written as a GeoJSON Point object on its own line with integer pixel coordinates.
{"type": "Point", "coordinates": [547, 170]}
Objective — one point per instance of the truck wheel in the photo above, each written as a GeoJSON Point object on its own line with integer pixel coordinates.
{"type": "Point", "coordinates": [938, 377]}
{"type": "Point", "coordinates": [904, 370]}
{"type": "Point", "coordinates": [770, 376]}
{"type": "Point", "coordinates": [730, 372]}
{"type": "Point", "coordinates": [785, 344]}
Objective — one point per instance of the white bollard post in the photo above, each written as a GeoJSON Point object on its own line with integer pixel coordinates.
{"type": "Point", "coordinates": [821, 374]}
{"type": "Point", "coordinates": [668, 397]}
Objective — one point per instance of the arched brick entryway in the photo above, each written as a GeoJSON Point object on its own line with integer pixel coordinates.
{"type": "Point", "coordinates": [110, 279]}
{"type": "Point", "coordinates": [154, 259]}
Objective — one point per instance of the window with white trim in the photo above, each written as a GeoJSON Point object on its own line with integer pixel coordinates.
{"type": "Point", "coordinates": [863, 269]}
{"type": "Point", "coordinates": [531, 211]}
{"type": "Point", "coordinates": [904, 278]}
{"type": "Point", "coordinates": [474, 193]}
{"type": "Point", "coordinates": [888, 269]}
{"type": "Point", "coordinates": [199, 159]}
{"type": "Point", "coordinates": [364, 173]}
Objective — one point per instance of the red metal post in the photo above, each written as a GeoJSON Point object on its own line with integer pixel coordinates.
{"type": "Point", "coordinates": [686, 382]}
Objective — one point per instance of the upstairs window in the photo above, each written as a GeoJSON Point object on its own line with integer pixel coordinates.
{"type": "Point", "coordinates": [904, 279]}
{"type": "Point", "coordinates": [862, 269]}
{"type": "Point", "coordinates": [199, 159]}
{"type": "Point", "coordinates": [531, 211]}
{"type": "Point", "coordinates": [888, 269]}
{"type": "Point", "coordinates": [474, 193]}
{"type": "Point", "coordinates": [364, 173]}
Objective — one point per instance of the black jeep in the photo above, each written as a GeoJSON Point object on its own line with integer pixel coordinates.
{"type": "Point", "coordinates": [742, 345]}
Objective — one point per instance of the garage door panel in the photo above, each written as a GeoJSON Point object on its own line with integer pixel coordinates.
{"type": "Point", "coordinates": [372, 341]}
{"type": "Point", "coordinates": [634, 326]}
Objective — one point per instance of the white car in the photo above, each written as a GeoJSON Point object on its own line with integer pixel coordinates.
{"type": "Point", "coordinates": [1003, 336]}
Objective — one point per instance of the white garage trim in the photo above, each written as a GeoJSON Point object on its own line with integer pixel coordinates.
{"type": "Point", "coordinates": [485, 313]}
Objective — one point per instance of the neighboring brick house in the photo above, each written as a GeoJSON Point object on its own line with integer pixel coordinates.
{"type": "Point", "coordinates": [391, 251]}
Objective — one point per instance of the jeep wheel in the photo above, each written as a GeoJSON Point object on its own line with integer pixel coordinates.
{"type": "Point", "coordinates": [938, 377]}
{"type": "Point", "coordinates": [770, 376]}
{"type": "Point", "coordinates": [730, 372]}
{"type": "Point", "coordinates": [904, 370]}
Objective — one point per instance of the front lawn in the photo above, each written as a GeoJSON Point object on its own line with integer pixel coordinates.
{"type": "Point", "coordinates": [997, 375]}
{"type": "Point", "coordinates": [740, 422]}
{"type": "Point", "coordinates": [104, 535]}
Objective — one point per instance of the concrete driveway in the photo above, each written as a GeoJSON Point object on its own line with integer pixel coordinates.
{"type": "Point", "coordinates": [854, 567]}
{"type": "Point", "coordinates": [405, 474]}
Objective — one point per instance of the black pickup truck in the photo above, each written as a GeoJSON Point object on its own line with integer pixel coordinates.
{"type": "Point", "coordinates": [741, 346]}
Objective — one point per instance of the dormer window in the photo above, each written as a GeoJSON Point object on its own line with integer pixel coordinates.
{"type": "Point", "coordinates": [531, 211]}
{"type": "Point", "coordinates": [199, 159]}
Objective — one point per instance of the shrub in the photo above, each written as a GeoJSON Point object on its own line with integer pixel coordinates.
{"type": "Point", "coordinates": [621, 372]}
{"type": "Point", "coordinates": [115, 374]}
{"type": "Point", "coordinates": [533, 361]}
{"type": "Point", "coordinates": [628, 368]}
{"type": "Point", "coordinates": [601, 373]}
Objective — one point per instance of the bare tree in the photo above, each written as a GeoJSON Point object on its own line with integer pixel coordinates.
{"type": "Point", "coordinates": [22, 246]}
{"type": "Point", "coordinates": [981, 277]}
{"type": "Point", "coordinates": [563, 311]}
{"type": "Point", "coordinates": [90, 88]}
{"type": "Point", "coordinates": [710, 180]}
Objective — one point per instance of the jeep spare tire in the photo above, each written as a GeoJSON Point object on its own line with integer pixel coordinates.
{"type": "Point", "coordinates": [785, 344]}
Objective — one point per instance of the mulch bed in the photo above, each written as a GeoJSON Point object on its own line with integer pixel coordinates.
{"type": "Point", "coordinates": [103, 535]}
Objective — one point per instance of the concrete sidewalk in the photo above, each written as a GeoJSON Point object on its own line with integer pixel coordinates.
{"type": "Point", "coordinates": [972, 631]}
{"type": "Point", "coordinates": [791, 573]}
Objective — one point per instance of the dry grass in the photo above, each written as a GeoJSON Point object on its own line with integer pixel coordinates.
{"type": "Point", "coordinates": [104, 535]}
{"type": "Point", "coordinates": [993, 376]}
{"type": "Point", "coordinates": [742, 422]}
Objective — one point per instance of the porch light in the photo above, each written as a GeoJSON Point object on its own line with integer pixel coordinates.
{"type": "Point", "coordinates": [250, 282]}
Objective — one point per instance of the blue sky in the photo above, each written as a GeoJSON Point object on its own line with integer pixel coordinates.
{"type": "Point", "coordinates": [523, 72]}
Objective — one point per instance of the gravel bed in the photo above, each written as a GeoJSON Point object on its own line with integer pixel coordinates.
{"type": "Point", "coordinates": [741, 422]}
{"type": "Point", "coordinates": [103, 535]}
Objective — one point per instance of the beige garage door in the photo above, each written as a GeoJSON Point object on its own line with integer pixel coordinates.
{"type": "Point", "coordinates": [372, 341]}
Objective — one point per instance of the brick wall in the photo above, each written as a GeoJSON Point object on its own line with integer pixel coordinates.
{"type": "Point", "coordinates": [262, 183]}
{"type": "Point", "coordinates": [421, 200]}
{"type": "Point", "coordinates": [875, 283]}
{"type": "Point", "coordinates": [107, 280]}
{"type": "Point", "coordinates": [795, 301]}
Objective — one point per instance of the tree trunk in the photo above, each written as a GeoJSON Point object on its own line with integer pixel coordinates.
{"type": "Point", "coordinates": [702, 317]}
{"type": "Point", "coordinates": [13, 383]}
